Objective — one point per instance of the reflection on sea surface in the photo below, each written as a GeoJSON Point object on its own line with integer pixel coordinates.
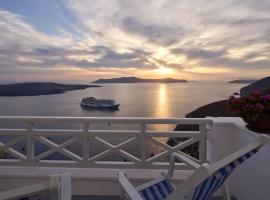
{"type": "Point", "coordinates": [162, 106]}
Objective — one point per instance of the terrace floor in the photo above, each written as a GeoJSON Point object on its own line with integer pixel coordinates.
{"type": "Point", "coordinates": [92, 182]}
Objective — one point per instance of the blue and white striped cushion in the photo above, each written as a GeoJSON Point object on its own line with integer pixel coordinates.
{"type": "Point", "coordinates": [158, 191]}
{"type": "Point", "coordinates": [209, 186]}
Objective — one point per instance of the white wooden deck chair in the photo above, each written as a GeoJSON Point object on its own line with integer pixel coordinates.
{"type": "Point", "coordinates": [201, 185]}
{"type": "Point", "coordinates": [57, 188]}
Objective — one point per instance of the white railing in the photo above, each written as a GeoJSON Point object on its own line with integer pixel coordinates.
{"type": "Point", "coordinates": [21, 146]}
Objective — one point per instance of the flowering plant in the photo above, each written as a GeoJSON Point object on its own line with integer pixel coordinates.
{"type": "Point", "coordinates": [250, 108]}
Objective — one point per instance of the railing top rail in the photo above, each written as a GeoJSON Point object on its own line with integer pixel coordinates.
{"type": "Point", "coordinates": [135, 120]}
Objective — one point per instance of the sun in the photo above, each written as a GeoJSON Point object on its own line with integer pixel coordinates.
{"type": "Point", "coordinates": [164, 71]}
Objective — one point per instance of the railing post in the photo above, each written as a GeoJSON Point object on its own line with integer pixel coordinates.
{"type": "Point", "coordinates": [143, 144]}
{"type": "Point", "coordinates": [203, 143]}
{"type": "Point", "coordinates": [30, 142]}
{"type": "Point", "coordinates": [85, 142]}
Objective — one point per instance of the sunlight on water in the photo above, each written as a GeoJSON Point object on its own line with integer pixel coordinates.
{"type": "Point", "coordinates": [162, 106]}
{"type": "Point", "coordinates": [162, 109]}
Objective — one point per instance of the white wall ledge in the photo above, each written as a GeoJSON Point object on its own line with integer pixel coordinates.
{"type": "Point", "coordinates": [237, 123]}
{"type": "Point", "coordinates": [250, 180]}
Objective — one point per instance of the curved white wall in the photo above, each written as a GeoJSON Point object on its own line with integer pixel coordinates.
{"type": "Point", "coordinates": [251, 180]}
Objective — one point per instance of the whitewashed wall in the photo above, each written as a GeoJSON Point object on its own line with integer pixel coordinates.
{"type": "Point", "coordinates": [251, 181]}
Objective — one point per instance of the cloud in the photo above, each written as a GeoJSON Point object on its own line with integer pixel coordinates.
{"type": "Point", "coordinates": [126, 34]}
{"type": "Point", "coordinates": [203, 30]}
{"type": "Point", "coordinates": [23, 46]}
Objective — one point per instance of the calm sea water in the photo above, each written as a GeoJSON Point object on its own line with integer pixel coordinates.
{"type": "Point", "coordinates": [136, 100]}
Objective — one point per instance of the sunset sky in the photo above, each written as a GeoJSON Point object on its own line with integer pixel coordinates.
{"type": "Point", "coordinates": [82, 40]}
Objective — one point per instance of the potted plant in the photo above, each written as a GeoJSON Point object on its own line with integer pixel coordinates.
{"type": "Point", "coordinates": [254, 109]}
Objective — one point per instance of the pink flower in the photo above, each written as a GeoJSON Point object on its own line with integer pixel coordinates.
{"type": "Point", "coordinates": [255, 94]}
{"type": "Point", "coordinates": [259, 106]}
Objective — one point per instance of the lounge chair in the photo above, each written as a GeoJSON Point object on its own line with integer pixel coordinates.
{"type": "Point", "coordinates": [201, 185]}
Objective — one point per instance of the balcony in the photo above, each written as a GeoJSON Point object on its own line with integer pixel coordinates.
{"type": "Point", "coordinates": [94, 149]}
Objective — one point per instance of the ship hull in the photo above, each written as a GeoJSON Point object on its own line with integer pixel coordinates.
{"type": "Point", "coordinates": [92, 106]}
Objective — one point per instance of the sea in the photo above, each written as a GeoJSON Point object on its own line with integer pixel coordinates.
{"type": "Point", "coordinates": [157, 100]}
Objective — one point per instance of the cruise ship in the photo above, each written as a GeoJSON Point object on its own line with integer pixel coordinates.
{"type": "Point", "coordinates": [93, 103]}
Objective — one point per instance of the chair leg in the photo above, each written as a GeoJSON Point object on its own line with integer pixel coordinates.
{"type": "Point", "coordinates": [123, 195]}
{"type": "Point", "coordinates": [225, 192]}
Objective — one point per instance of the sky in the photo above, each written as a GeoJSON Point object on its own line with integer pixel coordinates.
{"type": "Point", "coordinates": [83, 40]}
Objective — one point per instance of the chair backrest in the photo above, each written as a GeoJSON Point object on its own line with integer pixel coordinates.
{"type": "Point", "coordinates": [158, 191]}
{"type": "Point", "coordinates": [209, 186]}
{"type": "Point", "coordinates": [209, 177]}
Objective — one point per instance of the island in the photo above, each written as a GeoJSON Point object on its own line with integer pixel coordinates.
{"type": "Point", "coordinates": [139, 80]}
{"type": "Point", "coordinates": [243, 81]}
{"type": "Point", "coordinates": [39, 88]}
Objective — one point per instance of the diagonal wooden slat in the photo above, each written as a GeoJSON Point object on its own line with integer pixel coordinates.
{"type": "Point", "coordinates": [129, 156]}
{"type": "Point", "coordinates": [115, 149]}
{"type": "Point", "coordinates": [53, 150]}
{"type": "Point", "coordinates": [104, 142]}
{"type": "Point", "coordinates": [185, 144]}
{"type": "Point", "coordinates": [10, 143]}
{"type": "Point", "coordinates": [13, 152]}
{"type": "Point", "coordinates": [158, 156]}
{"type": "Point", "coordinates": [60, 148]}
{"type": "Point", "coordinates": [100, 155]}
{"type": "Point", "coordinates": [159, 143]}
{"type": "Point", "coordinates": [176, 148]}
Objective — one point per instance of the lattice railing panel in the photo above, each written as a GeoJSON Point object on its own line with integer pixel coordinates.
{"type": "Point", "coordinates": [88, 147]}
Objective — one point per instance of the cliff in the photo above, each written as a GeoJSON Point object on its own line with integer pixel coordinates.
{"type": "Point", "coordinates": [262, 85]}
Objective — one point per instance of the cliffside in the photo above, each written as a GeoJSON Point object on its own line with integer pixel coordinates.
{"type": "Point", "coordinates": [262, 85]}
{"type": "Point", "coordinates": [216, 109]}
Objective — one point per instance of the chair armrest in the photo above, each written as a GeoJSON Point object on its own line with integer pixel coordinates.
{"type": "Point", "coordinates": [184, 158]}
{"type": "Point", "coordinates": [128, 187]}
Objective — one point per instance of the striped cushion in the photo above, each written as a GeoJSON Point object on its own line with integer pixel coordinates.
{"type": "Point", "coordinates": [158, 191]}
{"type": "Point", "coordinates": [209, 186]}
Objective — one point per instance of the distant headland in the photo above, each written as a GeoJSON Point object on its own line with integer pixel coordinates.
{"type": "Point", "coordinates": [39, 88]}
{"type": "Point", "coordinates": [139, 80]}
{"type": "Point", "coordinates": [243, 81]}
